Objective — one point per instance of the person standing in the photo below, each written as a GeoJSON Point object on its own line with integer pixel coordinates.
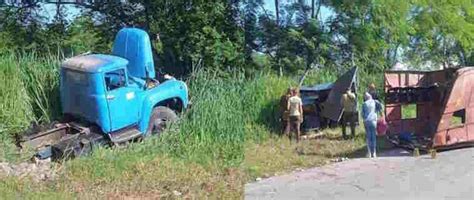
{"type": "Point", "coordinates": [284, 112]}
{"type": "Point", "coordinates": [349, 115]}
{"type": "Point", "coordinates": [295, 107]}
{"type": "Point", "coordinates": [370, 109]}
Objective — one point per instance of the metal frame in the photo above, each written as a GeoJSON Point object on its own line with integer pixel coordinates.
{"type": "Point", "coordinates": [437, 94]}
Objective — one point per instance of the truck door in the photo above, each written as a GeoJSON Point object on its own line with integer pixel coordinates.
{"type": "Point", "coordinates": [122, 100]}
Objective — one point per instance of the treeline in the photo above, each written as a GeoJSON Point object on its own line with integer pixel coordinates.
{"type": "Point", "coordinates": [235, 35]}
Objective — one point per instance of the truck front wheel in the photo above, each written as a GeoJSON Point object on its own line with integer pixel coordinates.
{"type": "Point", "coordinates": [161, 118]}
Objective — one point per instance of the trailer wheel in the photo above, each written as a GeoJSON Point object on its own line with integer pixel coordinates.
{"type": "Point", "coordinates": [161, 118]}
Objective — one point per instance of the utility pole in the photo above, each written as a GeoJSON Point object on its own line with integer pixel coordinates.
{"type": "Point", "coordinates": [277, 12]}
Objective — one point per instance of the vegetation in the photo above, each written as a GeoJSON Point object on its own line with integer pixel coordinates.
{"type": "Point", "coordinates": [409, 111]}
{"type": "Point", "coordinates": [287, 156]}
{"type": "Point", "coordinates": [375, 34]}
{"type": "Point", "coordinates": [203, 157]}
{"type": "Point", "coordinates": [237, 57]}
{"type": "Point", "coordinates": [206, 150]}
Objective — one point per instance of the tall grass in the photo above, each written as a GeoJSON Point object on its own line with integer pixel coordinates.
{"type": "Point", "coordinates": [15, 106]}
{"type": "Point", "coordinates": [30, 91]}
{"type": "Point", "coordinates": [229, 111]}
{"type": "Point", "coordinates": [228, 107]}
{"type": "Point", "coordinates": [41, 80]}
{"type": "Point", "coordinates": [214, 129]}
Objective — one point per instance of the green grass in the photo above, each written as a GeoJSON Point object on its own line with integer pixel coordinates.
{"type": "Point", "coordinates": [206, 151]}
{"type": "Point", "coordinates": [278, 155]}
{"type": "Point", "coordinates": [29, 88]}
{"type": "Point", "coordinates": [14, 101]}
{"type": "Point", "coordinates": [226, 137]}
{"type": "Point", "coordinates": [409, 111]}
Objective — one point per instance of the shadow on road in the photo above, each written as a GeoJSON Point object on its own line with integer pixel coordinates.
{"type": "Point", "coordinates": [384, 149]}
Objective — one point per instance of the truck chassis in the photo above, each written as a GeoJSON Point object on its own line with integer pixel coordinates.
{"type": "Point", "coordinates": [63, 141]}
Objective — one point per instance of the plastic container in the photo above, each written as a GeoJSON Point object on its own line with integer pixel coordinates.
{"type": "Point", "coordinates": [381, 126]}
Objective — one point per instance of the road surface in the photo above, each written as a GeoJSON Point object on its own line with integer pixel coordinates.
{"type": "Point", "coordinates": [394, 175]}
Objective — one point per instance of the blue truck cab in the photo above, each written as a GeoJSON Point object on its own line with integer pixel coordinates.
{"type": "Point", "coordinates": [118, 93]}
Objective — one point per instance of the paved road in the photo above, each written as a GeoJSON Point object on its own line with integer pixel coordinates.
{"type": "Point", "coordinates": [449, 176]}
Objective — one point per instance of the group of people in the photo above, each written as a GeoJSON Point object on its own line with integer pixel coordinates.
{"type": "Point", "coordinates": [291, 107]}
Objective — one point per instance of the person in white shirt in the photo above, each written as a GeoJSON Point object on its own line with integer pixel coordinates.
{"type": "Point", "coordinates": [295, 107]}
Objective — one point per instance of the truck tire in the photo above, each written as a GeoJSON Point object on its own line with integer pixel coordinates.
{"type": "Point", "coordinates": [161, 118]}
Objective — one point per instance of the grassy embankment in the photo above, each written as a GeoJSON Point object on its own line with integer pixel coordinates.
{"type": "Point", "coordinates": [228, 138]}
{"type": "Point", "coordinates": [275, 154]}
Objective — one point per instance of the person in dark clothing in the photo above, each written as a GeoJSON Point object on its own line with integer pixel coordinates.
{"type": "Point", "coordinates": [284, 112]}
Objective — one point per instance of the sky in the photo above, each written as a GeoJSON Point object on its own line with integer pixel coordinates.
{"type": "Point", "coordinates": [270, 5]}
{"type": "Point", "coordinates": [71, 11]}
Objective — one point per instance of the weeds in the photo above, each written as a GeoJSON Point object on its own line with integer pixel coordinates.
{"type": "Point", "coordinates": [15, 104]}
{"type": "Point", "coordinates": [30, 91]}
{"type": "Point", "coordinates": [231, 130]}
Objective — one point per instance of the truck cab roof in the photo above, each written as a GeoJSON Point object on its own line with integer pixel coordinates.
{"type": "Point", "coordinates": [94, 63]}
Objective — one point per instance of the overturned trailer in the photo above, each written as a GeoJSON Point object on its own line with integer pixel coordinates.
{"type": "Point", "coordinates": [441, 104]}
{"type": "Point", "coordinates": [321, 103]}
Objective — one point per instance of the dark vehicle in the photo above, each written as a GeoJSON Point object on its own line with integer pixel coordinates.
{"type": "Point", "coordinates": [431, 109]}
{"type": "Point", "coordinates": [321, 103]}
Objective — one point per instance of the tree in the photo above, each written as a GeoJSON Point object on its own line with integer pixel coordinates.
{"type": "Point", "coordinates": [83, 36]}
{"type": "Point", "coordinates": [251, 8]}
{"type": "Point", "coordinates": [373, 34]}
{"type": "Point", "coordinates": [21, 26]}
{"type": "Point", "coordinates": [444, 32]}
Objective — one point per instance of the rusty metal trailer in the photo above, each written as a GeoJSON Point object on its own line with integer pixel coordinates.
{"type": "Point", "coordinates": [443, 104]}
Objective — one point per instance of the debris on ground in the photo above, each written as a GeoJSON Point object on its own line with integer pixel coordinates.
{"type": "Point", "coordinates": [340, 159]}
{"type": "Point", "coordinates": [312, 136]}
{"type": "Point", "coordinates": [37, 170]}
{"type": "Point", "coordinates": [299, 169]}
{"type": "Point", "coordinates": [177, 193]}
